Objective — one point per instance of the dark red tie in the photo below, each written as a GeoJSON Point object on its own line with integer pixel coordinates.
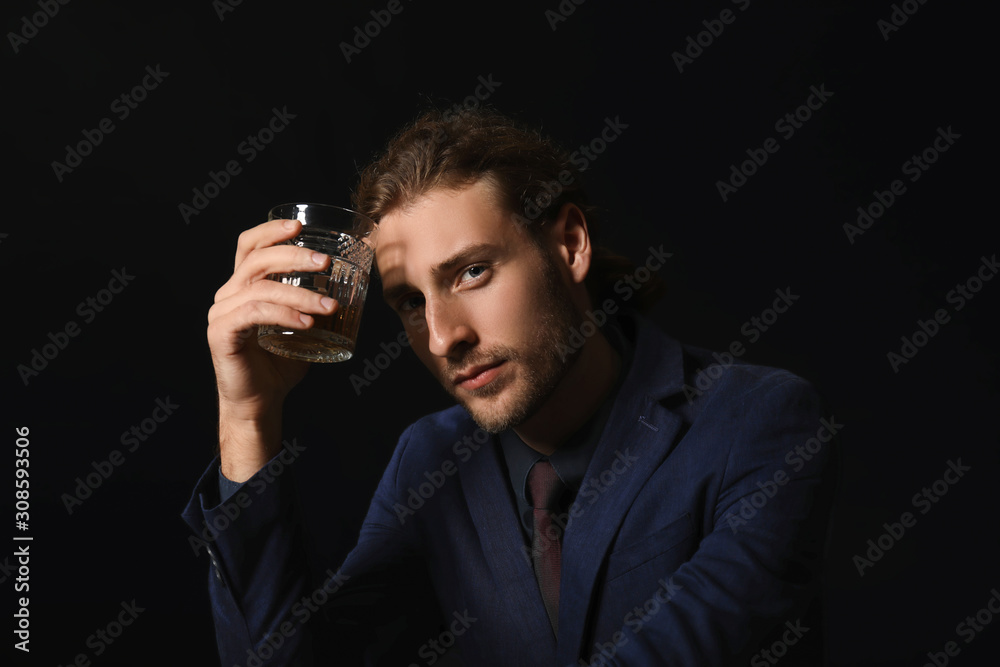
{"type": "Point", "coordinates": [545, 490]}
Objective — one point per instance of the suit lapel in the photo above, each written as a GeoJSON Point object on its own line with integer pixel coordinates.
{"type": "Point", "coordinates": [637, 437]}
{"type": "Point", "coordinates": [485, 485]}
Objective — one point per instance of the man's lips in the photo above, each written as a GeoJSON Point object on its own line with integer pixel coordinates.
{"type": "Point", "coordinates": [477, 376]}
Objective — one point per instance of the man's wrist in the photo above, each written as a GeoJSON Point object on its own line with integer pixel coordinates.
{"type": "Point", "coordinates": [227, 487]}
{"type": "Point", "coordinates": [246, 445]}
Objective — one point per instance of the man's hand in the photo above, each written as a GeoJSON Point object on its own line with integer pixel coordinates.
{"type": "Point", "coordinates": [252, 382]}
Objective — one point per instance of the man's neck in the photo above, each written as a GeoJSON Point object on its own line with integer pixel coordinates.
{"type": "Point", "coordinates": [578, 396]}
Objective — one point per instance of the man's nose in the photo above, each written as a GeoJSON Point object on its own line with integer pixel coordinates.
{"type": "Point", "coordinates": [447, 328]}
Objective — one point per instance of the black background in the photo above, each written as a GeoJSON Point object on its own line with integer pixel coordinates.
{"type": "Point", "coordinates": [657, 183]}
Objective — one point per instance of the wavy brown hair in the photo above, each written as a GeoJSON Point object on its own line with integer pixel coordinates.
{"type": "Point", "coordinates": [532, 175]}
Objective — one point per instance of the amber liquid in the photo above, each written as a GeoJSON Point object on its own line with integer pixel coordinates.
{"type": "Point", "coordinates": [332, 337]}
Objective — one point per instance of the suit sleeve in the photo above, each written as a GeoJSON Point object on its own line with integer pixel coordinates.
{"type": "Point", "coordinates": [754, 574]}
{"type": "Point", "coordinates": [268, 608]}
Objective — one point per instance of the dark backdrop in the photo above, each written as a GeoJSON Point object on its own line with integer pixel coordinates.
{"type": "Point", "coordinates": [886, 95]}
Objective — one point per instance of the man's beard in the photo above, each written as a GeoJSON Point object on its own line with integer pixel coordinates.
{"type": "Point", "coordinates": [541, 365]}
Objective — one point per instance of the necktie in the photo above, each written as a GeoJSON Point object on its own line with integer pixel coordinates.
{"type": "Point", "coordinates": [545, 490]}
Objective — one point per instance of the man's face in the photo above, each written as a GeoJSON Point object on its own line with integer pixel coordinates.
{"type": "Point", "coordinates": [485, 308]}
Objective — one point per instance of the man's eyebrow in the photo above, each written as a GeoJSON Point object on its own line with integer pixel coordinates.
{"type": "Point", "coordinates": [394, 292]}
{"type": "Point", "coordinates": [464, 255]}
{"type": "Point", "coordinates": [460, 257]}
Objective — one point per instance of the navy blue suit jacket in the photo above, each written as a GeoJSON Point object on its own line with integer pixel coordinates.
{"type": "Point", "coordinates": [696, 538]}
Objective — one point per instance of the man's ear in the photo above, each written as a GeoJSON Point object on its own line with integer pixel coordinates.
{"type": "Point", "coordinates": [571, 239]}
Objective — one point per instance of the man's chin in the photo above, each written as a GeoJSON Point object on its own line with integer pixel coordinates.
{"type": "Point", "coordinates": [512, 398]}
{"type": "Point", "coordinates": [493, 421]}
{"type": "Point", "coordinates": [492, 410]}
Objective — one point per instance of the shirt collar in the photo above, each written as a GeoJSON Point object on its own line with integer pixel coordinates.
{"type": "Point", "coordinates": [571, 460]}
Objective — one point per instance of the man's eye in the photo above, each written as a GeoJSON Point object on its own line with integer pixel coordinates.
{"type": "Point", "coordinates": [411, 303]}
{"type": "Point", "coordinates": [474, 272]}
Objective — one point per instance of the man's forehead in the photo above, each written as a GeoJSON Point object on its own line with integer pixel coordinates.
{"type": "Point", "coordinates": [436, 226]}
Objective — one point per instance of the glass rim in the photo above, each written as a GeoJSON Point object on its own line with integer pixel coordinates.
{"type": "Point", "coordinates": [316, 205]}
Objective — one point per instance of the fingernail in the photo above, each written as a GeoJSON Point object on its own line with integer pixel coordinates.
{"type": "Point", "coordinates": [304, 319]}
{"type": "Point", "coordinates": [318, 258]}
{"type": "Point", "coordinates": [326, 302]}
{"type": "Point", "coordinates": [290, 224]}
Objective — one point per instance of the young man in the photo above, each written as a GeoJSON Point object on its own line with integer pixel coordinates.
{"type": "Point", "coordinates": [589, 511]}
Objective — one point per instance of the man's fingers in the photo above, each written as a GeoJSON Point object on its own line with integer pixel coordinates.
{"type": "Point", "coordinates": [292, 297]}
{"type": "Point", "coordinates": [273, 259]}
{"type": "Point", "coordinates": [229, 331]}
{"type": "Point", "coordinates": [265, 234]}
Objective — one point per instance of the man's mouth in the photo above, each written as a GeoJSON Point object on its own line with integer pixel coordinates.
{"type": "Point", "coordinates": [477, 376]}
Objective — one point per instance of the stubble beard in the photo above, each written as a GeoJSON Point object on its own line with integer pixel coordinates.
{"type": "Point", "coordinates": [532, 373]}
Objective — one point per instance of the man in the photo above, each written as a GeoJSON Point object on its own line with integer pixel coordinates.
{"type": "Point", "coordinates": [603, 494]}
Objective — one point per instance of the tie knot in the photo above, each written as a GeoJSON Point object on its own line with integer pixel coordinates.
{"type": "Point", "coordinates": [544, 486]}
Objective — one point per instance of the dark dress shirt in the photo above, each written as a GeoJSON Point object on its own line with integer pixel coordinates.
{"type": "Point", "coordinates": [570, 461]}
